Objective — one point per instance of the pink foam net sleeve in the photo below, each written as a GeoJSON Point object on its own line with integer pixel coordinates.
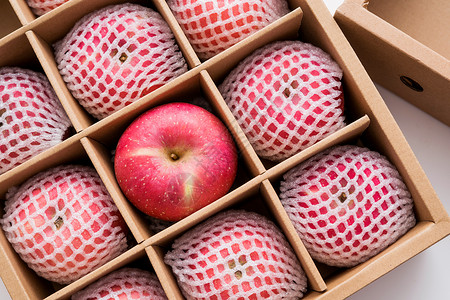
{"type": "Point", "coordinates": [63, 223]}
{"type": "Point", "coordinates": [236, 254]}
{"type": "Point", "coordinates": [286, 96]}
{"type": "Point", "coordinates": [347, 204]}
{"type": "Point", "coordinates": [31, 117]}
{"type": "Point", "coordinates": [126, 283]}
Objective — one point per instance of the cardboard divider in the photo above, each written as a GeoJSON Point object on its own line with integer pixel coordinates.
{"type": "Point", "coordinates": [165, 275]}
{"type": "Point", "coordinates": [315, 280]}
{"type": "Point", "coordinates": [282, 29]}
{"type": "Point", "coordinates": [188, 52]}
{"type": "Point", "coordinates": [22, 11]}
{"type": "Point", "coordinates": [383, 134]}
{"type": "Point", "coordinates": [134, 257]}
{"type": "Point", "coordinates": [351, 280]}
{"type": "Point", "coordinates": [10, 20]}
{"type": "Point", "coordinates": [245, 149]}
{"type": "Point", "coordinates": [22, 55]}
{"type": "Point", "coordinates": [164, 237]}
{"type": "Point", "coordinates": [66, 151]}
{"type": "Point", "coordinates": [261, 199]}
{"type": "Point", "coordinates": [101, 159]}
{"type": "Point", "coordinates": [350, 132]}
{"type": "Point", "coordinates": [78, 116]}
{"type": "Point", "coordinates": [21, 282]}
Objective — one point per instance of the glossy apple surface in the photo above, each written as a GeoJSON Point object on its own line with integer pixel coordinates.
{"type": "Point", "coordinates": [175, 159]}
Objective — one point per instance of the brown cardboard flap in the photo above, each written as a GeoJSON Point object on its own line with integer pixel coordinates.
{"type": "Point", "coordinates": [101, 159]}
{"type": "Point", "coordinates": [384, 135]}
{"type": "Point", "coordinates": [393, 59]}
{"type": "Point", "coordinates": [315, 280]}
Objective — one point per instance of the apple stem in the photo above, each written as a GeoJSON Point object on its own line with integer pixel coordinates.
{"type": "Point", "coordinates": [173, 156]}
{"type": "Point", "coordinates": [2, 111]}
{"type": "Point", "coordinates": [342, 197]}
{"type": "Point", "coordinates": [123, 57]}
{"type": "Point", "coordinates": [59, 222]}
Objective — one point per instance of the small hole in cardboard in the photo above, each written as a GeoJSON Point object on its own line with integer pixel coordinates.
{"type": "Point", "coordinates": [411, 83]}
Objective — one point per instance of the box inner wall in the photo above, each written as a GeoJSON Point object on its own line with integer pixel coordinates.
{"type": "Point", "coordinates": [426, 21]}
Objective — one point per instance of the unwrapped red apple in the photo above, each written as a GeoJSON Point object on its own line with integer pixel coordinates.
{"type": "Point", "coordinates": [175, 159]}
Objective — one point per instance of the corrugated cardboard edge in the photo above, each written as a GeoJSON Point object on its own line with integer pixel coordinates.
{"type": "Point", "coordinates": [425, 234]}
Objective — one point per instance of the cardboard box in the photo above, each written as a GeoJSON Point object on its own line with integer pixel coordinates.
{"type": "Point", "coordinates": [405, 46]}
{"type": "Point", "coordinates": [370, 124]}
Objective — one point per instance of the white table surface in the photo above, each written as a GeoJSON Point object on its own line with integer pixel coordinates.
{"type": "Point", "coordinates": [427, 275]}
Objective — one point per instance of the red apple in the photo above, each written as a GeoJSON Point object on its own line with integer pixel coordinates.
{"type": "Point", "coordinates": [174, 160]}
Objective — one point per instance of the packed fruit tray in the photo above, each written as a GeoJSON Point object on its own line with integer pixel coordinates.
{"type": "Point", "coordinates": [263, 187]}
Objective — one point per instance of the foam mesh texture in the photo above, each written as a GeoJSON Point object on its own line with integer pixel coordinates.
{"type": "Point", "coordinates": [63, 223]}
{"type": "Point", "coordinates": [116, 55]}
{"type": "Point", "coordinates": [347, 204]}
{"type": "Point", "coordinates": [286, 96]}
{"type": "Point", "coordinates": [124, 284]}
{"type": "Point", "coordinates": [212, 26]}
{"type": "Point", "coordinates": [31, 117]}
{"type": "Point", "coordinates": [236, 255]}
{"type": "Point", "coordinates": [41, 7]}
